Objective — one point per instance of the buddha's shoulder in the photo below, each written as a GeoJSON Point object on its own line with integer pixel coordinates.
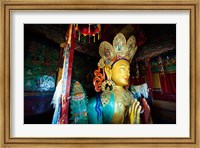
{"type": "Point", "coordinates": [107, 98]}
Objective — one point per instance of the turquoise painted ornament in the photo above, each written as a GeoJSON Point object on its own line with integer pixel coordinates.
{"type": "Point", "coordinates": [78, 104]}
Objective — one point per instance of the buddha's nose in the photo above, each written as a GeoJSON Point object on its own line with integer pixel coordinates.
{"type": "Point", "coordinates": [128, 74]}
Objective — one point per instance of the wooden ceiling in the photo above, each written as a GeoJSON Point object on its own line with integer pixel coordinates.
{"type": "Point", "coordinates": [151, 32]}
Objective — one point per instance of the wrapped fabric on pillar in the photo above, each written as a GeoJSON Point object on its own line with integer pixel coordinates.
{"type": "Point", "coordinates": [149, 75]}
{"type": "Point", "coordinates": [62, 94]}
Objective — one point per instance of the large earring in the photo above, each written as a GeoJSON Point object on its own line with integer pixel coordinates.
{"type": "Point", "coordinates": [108, 86]}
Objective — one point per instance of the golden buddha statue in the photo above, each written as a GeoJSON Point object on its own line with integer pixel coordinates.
{"type": "Point", "coordinates": [116, 104]}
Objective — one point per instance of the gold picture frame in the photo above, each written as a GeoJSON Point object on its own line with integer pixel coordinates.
{"type": "Point", "coordinates": [13, 5]}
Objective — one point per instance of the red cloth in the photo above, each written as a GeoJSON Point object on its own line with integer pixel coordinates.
{"type": "Point", "coordinates": [171, 83]}
{"type": "Point", "coordinates": [163, 83]}
{"type": "Point", "coordinates": [168, 83]}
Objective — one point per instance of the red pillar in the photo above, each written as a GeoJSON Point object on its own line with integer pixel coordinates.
{"type": "Point", "coordinates": [149, 75]}
{"type": "Point", "coordinates": [65, 100]}
{"type": "Point", "coordinates": [71, 58]}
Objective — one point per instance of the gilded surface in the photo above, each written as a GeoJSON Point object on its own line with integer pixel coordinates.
{"type": "Point", "coordinates": [191, 5]}
{"type": "Point", "coordinates": [122, 103]}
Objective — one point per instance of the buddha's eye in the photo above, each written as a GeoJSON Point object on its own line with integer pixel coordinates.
{"type": "Point", "coordinates": [122, 68]}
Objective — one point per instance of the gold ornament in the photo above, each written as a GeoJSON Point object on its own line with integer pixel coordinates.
{"type": "Point", "coordinates": [120, 49]}
{"type": "Point", "coordinates": [108, 86]}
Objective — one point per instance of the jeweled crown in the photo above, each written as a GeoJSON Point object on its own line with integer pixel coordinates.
{"type": "Point", "coordinates": [119, 50]}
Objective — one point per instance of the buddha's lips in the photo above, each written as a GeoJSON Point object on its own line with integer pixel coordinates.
{"type": "Point", "coordinates": [126, 79]}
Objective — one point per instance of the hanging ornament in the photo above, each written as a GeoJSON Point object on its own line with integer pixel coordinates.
{"type": "Point", "coordinates": [89, 30]}
{"type": "Point", "coordinates": [137, 71]}
{"type": "Point", "coordinates": [161, 66]}
{"type": "Point", "coordinates": [79, 36]}
{"type": "Point", "coordinates": [74, 31]}
{"type": "Point", "coordinates": [76, 27]}
{"type": "Point", "coordinates": [99, 26]}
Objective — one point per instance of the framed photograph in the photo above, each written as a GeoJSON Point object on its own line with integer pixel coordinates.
{"type": "Point", "coordinates": [35, 35]}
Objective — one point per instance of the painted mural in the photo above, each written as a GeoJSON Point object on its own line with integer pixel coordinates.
{"type": "Point", "coordinates": [168, 61]}
{"type": "Point", "coordinates": [165, 62]}
{"type": "Point", "coordinates": [40, 66]}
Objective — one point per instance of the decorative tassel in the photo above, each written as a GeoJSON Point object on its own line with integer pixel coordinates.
{"type": "Point", "coordinates": [99, 25]}
{"type": "Point", "coordinates": [76, 27]}
{"type": "Point", "coordinates": [79, 36]}
{"type": "Point", "coordinates": [89, 29]}
{"type": "Point", "coordinates": [99, 35]}
{"type": "Point", "coordinates": [94, 38]}
{"type": "Point", "coordinates": [89, 40]}
{"type": "Point", "coordinates": [74, 30]}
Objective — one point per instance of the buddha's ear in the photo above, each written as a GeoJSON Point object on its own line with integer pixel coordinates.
{"type": "Point", "coordinates": [108, 71]}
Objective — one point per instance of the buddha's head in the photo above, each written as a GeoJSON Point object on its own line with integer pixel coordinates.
{"type": "Point", "coordinates": [119, 73]}
{"type": "Point", "coordinates": [115, 59]}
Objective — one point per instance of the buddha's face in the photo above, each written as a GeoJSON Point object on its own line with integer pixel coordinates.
{"type": "Point", "coordinates": [121, 73]}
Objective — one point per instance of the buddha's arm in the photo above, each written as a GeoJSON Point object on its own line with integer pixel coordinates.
{"type": "Point", "coordinates": [134, 112]}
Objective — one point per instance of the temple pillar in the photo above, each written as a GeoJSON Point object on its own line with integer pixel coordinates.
{"type": "Point", "coordinates": [60, 64]}
{"type": "Point", "coordinates": [149, 75]}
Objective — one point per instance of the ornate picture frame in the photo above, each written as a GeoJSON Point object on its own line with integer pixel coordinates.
{"type": "Point", "coordinates": [5, 109]}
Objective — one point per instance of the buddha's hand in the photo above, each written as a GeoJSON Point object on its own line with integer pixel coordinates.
{"type": "Point", "coordinates": [134, 112]}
